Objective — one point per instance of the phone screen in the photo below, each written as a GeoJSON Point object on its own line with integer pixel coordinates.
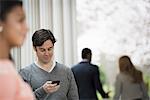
{"type": "Point", "coordinates": [57, 82]}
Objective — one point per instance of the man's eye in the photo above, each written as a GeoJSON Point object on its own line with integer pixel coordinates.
{"type": "Point", "coordinates": [50, 49]}
{"type": "Point", "coordinates": [42, 50]}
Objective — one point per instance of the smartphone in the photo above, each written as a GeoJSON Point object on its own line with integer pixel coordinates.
{"type": "Point", "coordinates": [56, 82]}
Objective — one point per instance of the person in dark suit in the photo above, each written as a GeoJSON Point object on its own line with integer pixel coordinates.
{"type": "Point", "coordinates": [87, 78]}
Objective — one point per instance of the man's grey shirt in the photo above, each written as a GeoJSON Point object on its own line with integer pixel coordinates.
{"type": "Point", "coordinates": [36, 77]}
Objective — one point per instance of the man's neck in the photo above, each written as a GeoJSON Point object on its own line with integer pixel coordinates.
{"type": "Point", "coordinates": [46, 66]}
{"type": "Point", "coordinates": [85, 60]}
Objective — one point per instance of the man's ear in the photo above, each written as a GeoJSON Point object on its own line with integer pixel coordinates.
{"type": "Point", "coordinates": [35, 49]}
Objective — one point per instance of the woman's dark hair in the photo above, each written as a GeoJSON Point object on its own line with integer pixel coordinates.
{"type": "Point", "coordinates": [6, 6]}
{"type": "Point", "coordinates": [126, 66]}
{"type": "Point", "coordinates": [42, 35]}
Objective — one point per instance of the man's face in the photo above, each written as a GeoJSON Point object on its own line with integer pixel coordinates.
{"type": "Point", "coordinates": [45, 52]}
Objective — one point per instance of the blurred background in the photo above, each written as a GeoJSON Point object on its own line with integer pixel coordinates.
{"type": "Point", "coordinates": [111, 28]}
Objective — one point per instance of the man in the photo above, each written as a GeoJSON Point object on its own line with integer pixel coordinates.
{"type": "Point", "coordinates": [41, 74]}
{"type": "Point", "coordinates": [87, 78]}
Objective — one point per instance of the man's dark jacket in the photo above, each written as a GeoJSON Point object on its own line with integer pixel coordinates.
{"type": "Point", "coordinates": [88, 81]}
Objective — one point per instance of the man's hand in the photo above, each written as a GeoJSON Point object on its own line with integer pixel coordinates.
{"type": "Point", "coordinates": [50, 88]}
{"type": "Point", "coordinates": [107, 94]}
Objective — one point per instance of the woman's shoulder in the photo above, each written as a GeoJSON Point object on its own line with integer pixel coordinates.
{"type": "Point", "coordinates": [4, 63]}
{"type": "Point", "coordinates": [8, 77]}
{"type": "Point", "coordinates": [6, 66]}
{"type": "Point", "coordinates": [124, 77]}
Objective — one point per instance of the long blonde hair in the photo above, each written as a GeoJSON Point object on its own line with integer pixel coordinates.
{"type": "Point", "coordinates": [126, 66]}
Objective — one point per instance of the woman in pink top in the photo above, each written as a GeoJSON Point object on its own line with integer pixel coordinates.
{"type": "Point", "coordinates": [13, 30]}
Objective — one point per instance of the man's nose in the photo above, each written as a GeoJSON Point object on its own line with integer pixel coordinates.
{"type": "Point", "coordinates": [46, 52]}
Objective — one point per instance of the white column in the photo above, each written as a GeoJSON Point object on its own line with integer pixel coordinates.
{"type": "Point", "coordinates": [69, 32]}
{"type": "Point", "coordinates": [74, 32]}
{"type": "Point", "coordinates": [64, 30]}
{"type": "Point", "coordinates": [46, 14]}
{"type": "Point", "coordinates": [32, 15]}
{"type": "Point", "coordinates": [58, 29]}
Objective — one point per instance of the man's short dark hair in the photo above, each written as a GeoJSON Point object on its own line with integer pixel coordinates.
{"type": "Point", "coordinates": [42, 35]}
{"type": "Point", "coordinates": [86, 52]}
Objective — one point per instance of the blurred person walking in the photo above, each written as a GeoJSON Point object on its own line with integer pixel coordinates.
{"type": "Point", "coordinates": [129, 83]}
{"type": "Point", "coordinates": [87, 77]}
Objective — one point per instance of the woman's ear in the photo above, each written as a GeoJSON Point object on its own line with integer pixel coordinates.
{"type": "Point", "coordinates": [1, 27]}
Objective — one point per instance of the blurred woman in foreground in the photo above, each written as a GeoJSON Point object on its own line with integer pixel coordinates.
{"type": "Point", "coordinates": [13, 30]}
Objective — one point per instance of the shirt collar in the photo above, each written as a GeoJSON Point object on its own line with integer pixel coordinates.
{"type": "Point", "coordinates": [50, 70]}
{"type": "Point", "coordinates": [85, 60]}
{"type": "Point", "coordinates": [54, 64]}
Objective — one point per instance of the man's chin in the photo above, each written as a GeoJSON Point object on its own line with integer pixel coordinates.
{"type": "Point", "coordinates": [46, 62]}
